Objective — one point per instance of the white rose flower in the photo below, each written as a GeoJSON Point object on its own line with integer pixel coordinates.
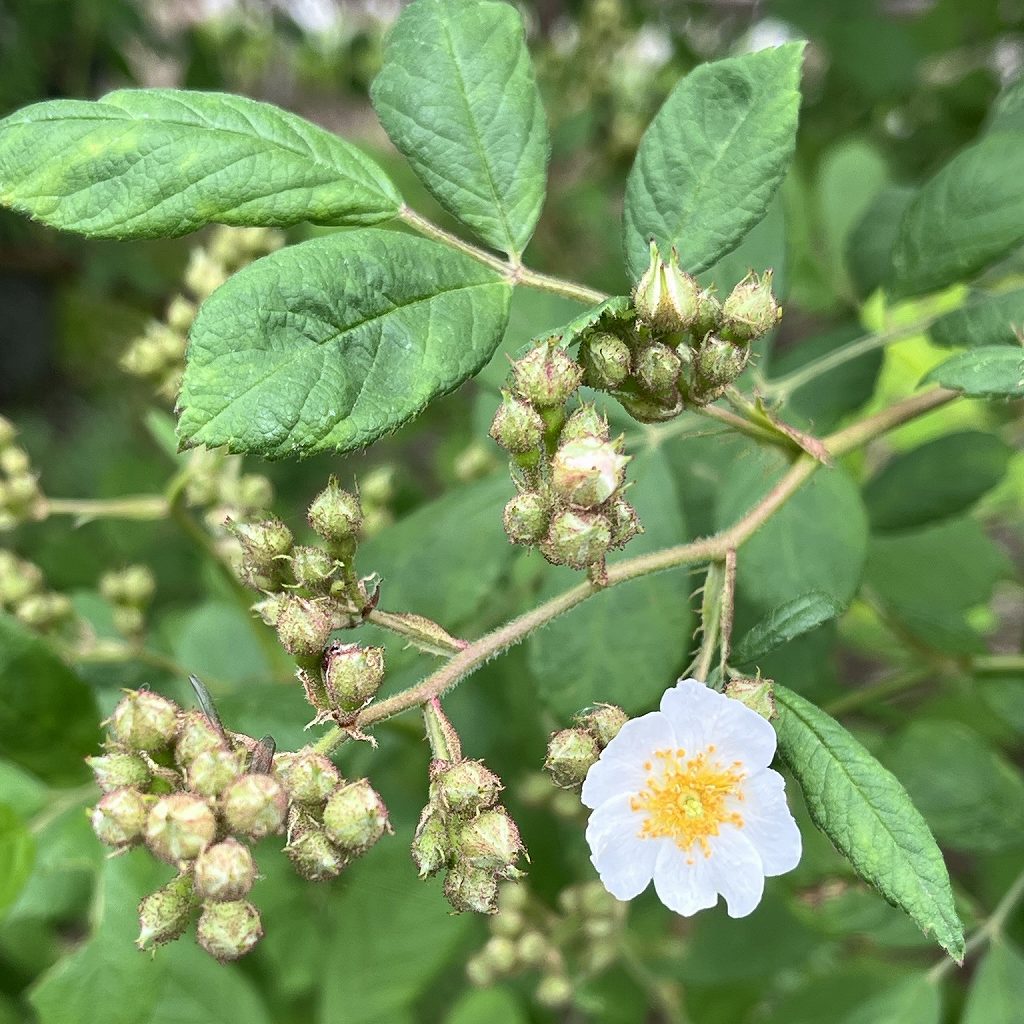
{"type": "Point", "coordinates": [685, 796]}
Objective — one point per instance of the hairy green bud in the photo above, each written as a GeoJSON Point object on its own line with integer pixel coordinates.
{"type": "Point", "coordinates": [607, 361]}
{"type": "Point", "coordinates": [254, 805]}
{"type": "Point", "coordinates": [144, 721]}
{"type": "Point", "coordinates": [716, 364]}
{"type": "Point", "coordinates": [587, 471]}
{"type": "Point", "coordinates": [666, 298]}
{"type": "Point", "coordinates": [577, 539]}
{"type": "Point", "coordinates": [532, 948]}
{"type": "Point", "coordinates": [179, 827]}
{"type": "Point", "coordinates": [709, 315]}
{"type": "Point", "coordinates": [623, 520]}
{"type": "Point", "coordinates": [164, 914]}
{"type": "Point", "coordinates": [517, 426]}
{"type": "Point", "coordinates": [119, 819]}
{"type": "Point", "coordinates": [657, 368]}
{"type": "Point", "coordinates": [312, 853]}
{"type": "Point", "coordinates": [355, 817]}
{"type": "Point", "coordinates": [211, 771]}
{"type": "Point", "coordinates": [352, 675]}
{"type": "Point", "coordinates": [751, 309]}
{"type": "Point", "coordinates": [431, 845]}
{"type": "Point", "coordinates": [304, 626]}
{"type": "Point", "coordinates": [603, 722]}
{"type": "Point", "coordinates": [586, 421]}
{"type": "Point", "coordinates": [196, 734]}
{"type": "Point", "coordinates": [490, 840]}
{"type": "Point", "coordinates": [312, 568]}
{"type": "Point", "coordinates": [117, 770]}
{"type": "Point", "coordinates": [264, 545]}
{"type": "Point", "coordinates": [14, 461]}
{"type": "Point", "coordinates": [546, 376]}
{"type": "Point", "coordinates": [645, 408]}
{"type": "Point", "coordinates": [758, 694]}
{"type": "Point", "coordinates": [500, 954]}
{"type": "Point", "coordinates": [224, 871]}
{"type": "Point", "coordinates": [527, 517]}
{"type": "Point", "coordinates": [466, 787]}
{"type": "Point", "coordinates": [471, 889]}
{"type": "Point", "coordinates": [335, 514]}
{"type": "Point", "coordinates": [229, 930]}
{"type": "Point", "coordinates": [309, 777]}
{"type": "Point", "coordinates": [571, 753]}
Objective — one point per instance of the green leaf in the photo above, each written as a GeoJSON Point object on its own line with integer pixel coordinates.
{"type": "Point", "coordinates": [785, 623]}
{"type": "Point", "coordinates": [623, 646]}
{"type": "Point", "coordinates": [990, 371]}
{"type": "Point", "coordinates": [936, 480]}
{"type": "Point", "coordinates": [914, 1001]}
{"type": "Point", "coordinates": [494, 1005]}
{"type": "Point", "coordinates": [329, 344]}
{"type": "Point", "coordinates": [458, 97]}
{"type": "Point", "coordinates": [48, 717]}
{"type": "Point", "coordinates": [868, 254]}
{"type": "Point", "coordinates": [146, 163]}
{"type": "Point", "coordinates": [713, 157]}
{"type": "Point", "coordinates": [988, 320]}
{"type": "Point", "coordinates": [971, 795]}
{"type": "Point", "coordinates": [996, 994]}
{"type": "Point", "coordinates": [817, 541]}
{"type": "Point", "coordinates": [392, 935]}
{"type": "Point", "coordinates": [1007, 113]}
{"type": "Point", "coordinates": [869, 817]}
{"type": "Point", "coordinates": [967, 217]}
{"type": "Point", "coordinates": [17, 854]}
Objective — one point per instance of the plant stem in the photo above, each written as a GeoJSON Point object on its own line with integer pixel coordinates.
{"type": "Point", "coordinates": [705, 549]}
{"type": "Point", "coordinates": [514, 272]}
{"type": "Point", "coordinates": [738, 423]}
{"type": "Point", "coordinates": [140, 507]}
{"type": "Point", "coordinates": [891, 686]}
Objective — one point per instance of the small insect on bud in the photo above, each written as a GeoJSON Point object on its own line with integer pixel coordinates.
{"type": "Point", "coordinates": [179, 827]}
{"type": "Point", "coordinates": [603, 722]}
{"type": "Point", "coordinates": [119, 819]}
{"type": "Point", "coordinates": [606, 359]}
{"type": "Point", "coordinates": [758, 694]}
{"type": "Point", "coordinates": [586, 421]}
{"type": "Point", "coordinates": [164, 914]}
{"type": "Point", "coordinates": [472, 889]}
{"type": "Point", "coordinates": [587, 471]}
{"type": "Point", "coordinates": [114, 771]}
{"type": "Point", "coordinates": [254, 805]}
{"type": "Point", "coordinates": [571, 752]}
{"type": "Point", "coordinates": [312, 568]}
{"type": "Point", "coordinates": [304, 626]}
{"type": "Point", "coordinates": [355, 817]}
{"type": "Point", "coordinates": [490, 840]}
{"type": "Point", "coordinates": [716, 364]}
{"type": "Point", "coordinates": [527, 517]}
{"type": "Point", "coordinates": [577, 539]}
{"type": "Point", "coordinates": [196, 734]}
{"type": "Point", "coordinates": [144, 721]}
{"type": "Point", "coordinates": [751, 309]}
{"type": "Point", "coordinates": [431, 845]}
{"type": "Point", "coordinates": [229, 930]}
{"type": "Point", "coordinates": [657, 368]}
{"type": "Point", "coordinates": [352, 675]}
{"type": "Point", "coordinates": [335, 514]}
{"type": "Point", "coordinates": [309, 777]}
{"type": "Point", "coordinates": [312, 853]}
{"type": "Point", "coordinates": [264, 545]}
{"type": "Point", "coordinates": [517, 426]}
{"type": "Point", "coordinates": [546, 376]}
{"type": "Point", "coordinates": [212, 771]}
{"type": "Point", "coordinates": [466, 787]}
{"type": "Point", "coordinates": [624, 522]}
{"type": "Point", "coordinates": [666, 297]}
{"type": "Point", "coordinates": [224, 871]}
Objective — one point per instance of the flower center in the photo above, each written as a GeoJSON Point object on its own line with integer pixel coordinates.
{"type": "Point", "coordinates": [685, 799]}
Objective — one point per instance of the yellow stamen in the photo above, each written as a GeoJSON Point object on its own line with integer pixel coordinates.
{"type": "Point", "coordinates": [685, 799]}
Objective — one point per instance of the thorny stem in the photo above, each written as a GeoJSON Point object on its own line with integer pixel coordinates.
{"type": "Point", "coordinates": [702, 550]}
{"type": "Point", "coordinates": [513, 271]}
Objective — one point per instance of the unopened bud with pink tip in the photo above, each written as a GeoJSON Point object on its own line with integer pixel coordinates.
{"type": "Point", "coordinates": [144, 721]}
{"type": "Point", "coordinates": [224, 871]}
{"type": "Point", "coordinates": [309, 777]}
{"type": "Point", "coordinates": [229, 930]}
{"type": "Point", "coordinates": [119, 819]}
{"type": "Point", "coordinates": [588, 471]}
{"type": "Point", "coordinates": [546, 376]}
{"type": "Point", "coordinates": [352, 675]}
{"type": "Point", "coordinates": [578, 539]}
{"type": "Point", "coordinates": [254, 805]}
{"type": "Point", "coordinates": [179, 827]}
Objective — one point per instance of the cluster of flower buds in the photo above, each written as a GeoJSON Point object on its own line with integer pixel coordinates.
{"type": "Point", "coordinates": [215, 482]}
{"type": "Point", "coordinates": [465, 831]}
{"type": "Point", "coordinates": [685, 347]}
{"type": "Point", "coordinates": [526, 935]}
{"type": "Point", "coordinates": [196, 796]}
{"type": "Point", "coordinates": [129, 591]}
{"type": "Point", "coordinates": [376, 497]}
{"type": "Point", "coordinates": [569, 473]}
{"type": "Point", "coordinates": [20, 497]}
{"type": "Point", "coordinates": [571, 752]}
{"type": "Point", "coordinates": [158, 354]}
{"type": "Point", "coordinates": [23, 592]}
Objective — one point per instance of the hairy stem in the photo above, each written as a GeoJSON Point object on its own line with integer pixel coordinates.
{"type": "Point", "coordinates": [706, 549]}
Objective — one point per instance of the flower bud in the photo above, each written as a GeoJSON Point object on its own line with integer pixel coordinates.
{"type": "Point", "coordinates": [500, 954]}
{"type": "Point", "coordinates": [196, 734]}
{"type": "Point", "coordinates": [709, 315]}
{"type": "Point", "coordinates": [553, 992]}
{"type": "Point", "coordinates": [352, 675]}
{"type": "Point", "coordinates": [264, 544]}
{"type": "Point", "coordinates": [8, 432]}
{"type": "Point", "coordinates": [657, 368]}
{"type": "Point", "coordinates": [624, 522]}
{"type": "Point", "coordinates": [179, 827]}
{"type": "Point", "coordinates": [224, 871]}
{"type": "Point", "coordinates": [312, 567]}
{"type": "Point", "coordinates": [751, 309]}
{"type": "Point", "coordinates": [577, 539]}
{"type": "Point", "coordinates": [571, 752]}
{"type": "Point", "coordinates": [253, 491]}
{"type": "Point", "coordinates": [254, 805]}
{"type": "Point", "coordinates": [116, 770]}
{"type": "Point", "coordinates": [311, 852]}
{"type": "Point", "coordinates": [479, 973]}
{"type": "Point", "coordinates": [546, 376]}
{"type": "Point", "coordinates": [603, 722]}
{"type": "Point", "coordinates": [18, 579]}
{"type": "Point", "coordinates": [20, 493]}
{"type": "Point", "coordinates": [119, 819]}
{"type": "Point", "coordinates": [472, 889]}
{"type": "Point", "coordinates": [517, 426]}
{"type": "Point", "coordinates": [355, 817]}
{"type": "Point", "coordinates": [44, 611]}
{"type": "Point", "coordinates": [490, 841]}
{"type": "Point", "coordinates": [128, 620]}
{"type": "Point", "coordinates": [164, 914]}
{"type": "Point", "coordinates": [532, 948]}
{"type": "Point", "coordinates": [14, 461]}
{"type": "Point", "coordinates": [308, 777]}
{"type": "Point", "coordinates": [144, 721]}
{"type": "Point", "coordinates": [527, 517]}
{"type": "Point", "coordinates": [180, 314]}
{"type": "Point", "coordinates": [717, 363]}
{"type": "Point", "coordinates": [586, 421]}
{"type": "Point", "coordinates": [304, 626]}
{"type": "Point", "coordinates": [758, 694]}
{"type": "Point", "coordinates": [134, 585]}
{"type": "Point", "coordinates": [666, 297]}
{"type": "Point", "coordinates": [431, 846]}
{"type": "Point", "coordinates": [229, 930]}
{"type": "Point", "coordinates": [203, 274]}
{"type": "Point", "coordinates": [466, 787]}
{"type": "Point", "coordinates": [645, 408]}
{"type": "Point", "coordinates": [270, 608]}
{"type": "Point", "coordinates": [212, 771]}
{"type": "Point", "coordinates": [335, 514]}
{"type": "Point", "coordinates": [587, 471]}
{"type": "Point", "coordinates": [606, 359]}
